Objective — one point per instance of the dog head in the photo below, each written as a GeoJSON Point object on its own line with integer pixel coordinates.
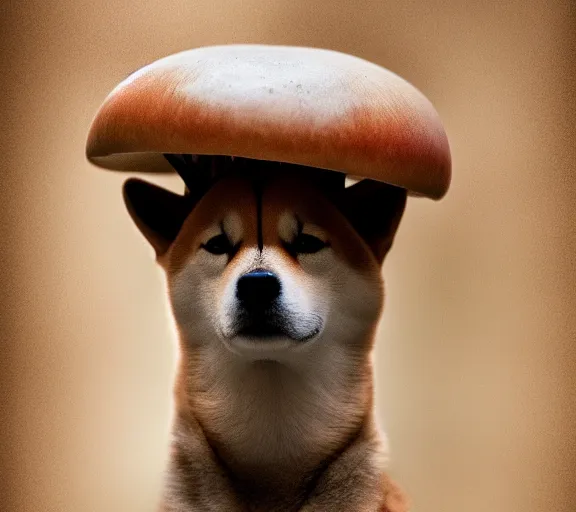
{"type": "Point", "coordinates": [267, 265]}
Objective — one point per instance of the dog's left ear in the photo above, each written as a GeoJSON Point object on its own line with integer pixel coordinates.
{"type": "Point", "coordinates": [374, 209]}
{"type": "Point", "coordinates": [157, 212]}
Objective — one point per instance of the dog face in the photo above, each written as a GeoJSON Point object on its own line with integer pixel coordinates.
{"type": "Point", "coordinates": [267, 267]}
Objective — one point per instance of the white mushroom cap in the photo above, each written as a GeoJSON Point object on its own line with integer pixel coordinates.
{"type": "Point", "coordinates": [306, 106]}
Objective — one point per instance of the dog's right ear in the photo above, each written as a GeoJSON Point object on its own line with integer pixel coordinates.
{"type": "Point", "coordinates": [157, 212]}
{"type": "Point", "coordinates": [374, 209]}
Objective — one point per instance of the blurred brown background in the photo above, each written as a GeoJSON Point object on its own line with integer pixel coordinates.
{"type": "Point", "coordinates": [477, 357]}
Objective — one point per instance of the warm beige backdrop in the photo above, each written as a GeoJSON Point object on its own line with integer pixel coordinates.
{"type": "Point", "coordinates": [477, 357]}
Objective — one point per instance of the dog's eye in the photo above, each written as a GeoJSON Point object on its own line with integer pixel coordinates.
{"type": "Point", "coordinates": [307, 244]}
{"type": "Point", "coordinates": [218, 244]}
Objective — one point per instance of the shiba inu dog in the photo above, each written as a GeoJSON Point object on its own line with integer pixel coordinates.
{"type": "Point", "coordinates": [274, 279]}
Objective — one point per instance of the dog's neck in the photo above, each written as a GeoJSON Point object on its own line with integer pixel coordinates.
{"type": "Point", "coordinates": [269, 424]}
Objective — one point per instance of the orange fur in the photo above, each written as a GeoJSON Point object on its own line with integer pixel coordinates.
{"type": "Point", "coordinates": [294, 430]}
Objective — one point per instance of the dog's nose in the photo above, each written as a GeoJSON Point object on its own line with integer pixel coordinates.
{"type": "Point", "coordinates": [258, 288]}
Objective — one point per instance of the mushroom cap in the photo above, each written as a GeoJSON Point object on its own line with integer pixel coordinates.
{"type": "Point", "coordinates": [306, 106]}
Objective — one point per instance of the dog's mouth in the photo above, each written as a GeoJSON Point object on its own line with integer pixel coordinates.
{"type": "Point", "coordinates": [271, 336]}
{"type": "Point", "coordinates": [267, 331]}
{"type": "Point", "coordinates": [261, 330]}
{"type": "Point", "coordinates": [272, 327]}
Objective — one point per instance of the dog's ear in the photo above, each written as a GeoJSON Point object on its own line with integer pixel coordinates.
{"type": "Point", "coordinates": [374, 209]}
{"type": "Point", "coordinates": [157, 212]}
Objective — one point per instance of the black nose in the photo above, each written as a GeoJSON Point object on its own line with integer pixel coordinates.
{"type": "Point", "coordinates": [257, 289]}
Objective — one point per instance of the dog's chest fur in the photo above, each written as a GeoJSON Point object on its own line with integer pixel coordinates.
{"type": "Point", "coordinates": [268, 431]}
